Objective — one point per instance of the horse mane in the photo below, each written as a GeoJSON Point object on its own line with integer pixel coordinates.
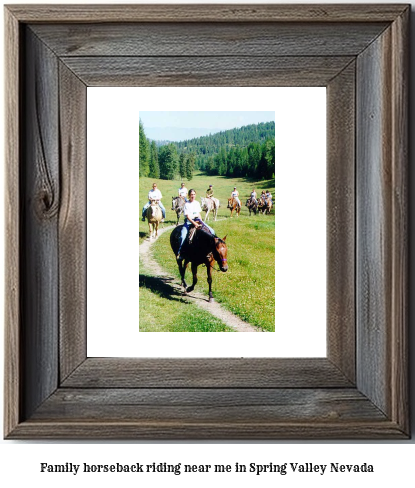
{"type": "Point", "coordinates": [212, 237]}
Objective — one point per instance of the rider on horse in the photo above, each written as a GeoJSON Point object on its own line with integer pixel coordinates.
{"type": "Point", "coordinates": [192, 211]}
{"type": "Point", "coordinates": [183, 192]}
{"type": "Point", "coordinates": [253, 195]}
{"type": "Point", "coordinates": [153, 194]}
{"type": "Point", "coordinates": [235, 195]}
{"type": "Point", "coordinates": [209, 192]}
{"type": "Point", "coordinates": [215, 201]}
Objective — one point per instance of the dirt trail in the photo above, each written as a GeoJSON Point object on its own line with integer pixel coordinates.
{"type": "Point", "coordinates": [199, 299]}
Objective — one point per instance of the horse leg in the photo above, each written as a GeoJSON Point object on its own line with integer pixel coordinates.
{"type": "Point", "coordinates": [194, 273]}
{"type": "Point", "coordinates": [149, 230]}
{"type": "Point", "coordinates": [209, 279]}
{"type": "Point", "coordinates": [182, 269]}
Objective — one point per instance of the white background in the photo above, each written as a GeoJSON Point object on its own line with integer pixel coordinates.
{"type": "Point", "coordinates": [393, 462]}
{"type": "Point", "coordinates": [114, 211]}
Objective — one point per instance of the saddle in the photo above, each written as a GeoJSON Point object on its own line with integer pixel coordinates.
{"type": "Point", "coordinates": [192, 231]}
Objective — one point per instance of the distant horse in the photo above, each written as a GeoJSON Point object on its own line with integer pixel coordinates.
{"type": "Point", "coordinates": [154, 216]}
{"type": "Point", "coordinates": [265, 205]}
{"type": "Point", "coordinates": [268, 205]}
{"type": "Point", "coordinates": [204, 249]}
{"type": "Point", "coordinates": [252, 205]}
{"type": "Point", "coordinates": [234, 206]}
{"type": "Point", "coordinates": [210, 205]}
{"type": "Point", "coordinates": [177, 204]}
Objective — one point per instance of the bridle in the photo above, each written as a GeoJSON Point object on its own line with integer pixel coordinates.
{"type": "Point", "coordinates": [211, 266]}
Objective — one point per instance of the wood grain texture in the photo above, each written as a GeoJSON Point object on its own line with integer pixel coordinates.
{"type": "Point", "coordinates": [209, 405]}
{"type": "Point", "coordinates": [400, 247]}
{"type": "Point", "coordinates": [13, 380]}
{"type": "Point", "coordinates": [199, 39]}
{"type": "Point", "coordinates": [206, 373]}
{"type": "Point", "coordinates": [206, 13]}
{"type": "Point", "coordinates": [72, 222]}
{"type": "Point", "coordinates": [207, 71]}
{"type": "Point", "coordinates": [373, 221]}
{"type": "Point", "coordinates": [341, 314]}
{"type": "Point", "coordinates": [382, 223]}
{"type": "Point", "coordinates": [188, 430]}
{"type": "Point", "coordinates": [39, 209]}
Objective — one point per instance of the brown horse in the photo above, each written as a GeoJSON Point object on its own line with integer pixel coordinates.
{"type": "Point", "coordinates": [154, 216]}
{"type": "Point", "coordinates": [265, 205]}
{"type": "Point", "coordinates": [204, 249]}
{"type": "Point", "coordinates": [234, 206]}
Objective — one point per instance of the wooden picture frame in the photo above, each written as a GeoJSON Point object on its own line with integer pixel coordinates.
{"type": "Point", "coordinates": [360, 53]}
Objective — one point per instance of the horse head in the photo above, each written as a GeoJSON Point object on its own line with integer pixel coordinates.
{"type": "Point", "coordinates": [155, 210]}
{"type": "Point", "coordinates": [221, 253]}
{"type": "Point", "coordinates": [230, 201]}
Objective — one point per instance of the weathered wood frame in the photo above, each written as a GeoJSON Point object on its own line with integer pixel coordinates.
{"type": "Point", "coordinates": [359, 52]}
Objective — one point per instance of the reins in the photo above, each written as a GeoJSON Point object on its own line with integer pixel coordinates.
{"type": "Point", "coordinates": [211, 266]}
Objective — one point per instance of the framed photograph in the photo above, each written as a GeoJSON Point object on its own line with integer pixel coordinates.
{"type": "Point", "coordinates": [55, 387]}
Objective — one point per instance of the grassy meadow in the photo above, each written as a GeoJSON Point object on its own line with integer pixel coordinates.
{"type": "Point", "coordinates": [247, 289]}
{"type": "Point", "coordinates": [222, 187]}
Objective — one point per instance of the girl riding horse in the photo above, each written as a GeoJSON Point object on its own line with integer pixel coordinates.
{"type": "Point", "coordinates": [192, 216]}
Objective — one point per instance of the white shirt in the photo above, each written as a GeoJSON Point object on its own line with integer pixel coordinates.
{"type": "Point", "coordinates": [192, 209]}
{"type": "Point", "coordinates": [235, 193]}
{"type": "Point", "coordinates": [154, 194]}
{"type": "Point", "coordinates": [183, 192]}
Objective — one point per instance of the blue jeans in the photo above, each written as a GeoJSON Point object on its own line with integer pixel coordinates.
{"type": "Point", "coordinates": [185, 231]}
{"type": "Point", "coordinates": [163, 210]}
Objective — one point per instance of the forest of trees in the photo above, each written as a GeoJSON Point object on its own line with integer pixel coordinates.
{"type": "Point", "coordinates": [244, 152]}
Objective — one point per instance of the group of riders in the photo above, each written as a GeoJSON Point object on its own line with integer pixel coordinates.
{"type": "Point", "coordinates": [262, 199]}
{"type": "Point", "coordinates": [192, 209]}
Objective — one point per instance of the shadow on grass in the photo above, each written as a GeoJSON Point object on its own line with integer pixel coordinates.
{"type": "Point", "coordinates": [161, 286]}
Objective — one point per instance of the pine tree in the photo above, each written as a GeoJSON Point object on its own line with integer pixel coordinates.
{"type": "Point", "coordinates": [154, 169]}
{"type": "Point", "coordinates": [190, 166]}
{"type": "Point", "coordinates": [182, 166]}
{"type": "Point", "coordinates": [169, 162]}
{"type": "Point", "coordinates": [144, 153]}
{"type": "Point", "coordinates": [270, 157]}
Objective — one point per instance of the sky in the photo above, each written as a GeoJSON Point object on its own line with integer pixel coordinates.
{"type": "Point", "coordinates": [176, 126]}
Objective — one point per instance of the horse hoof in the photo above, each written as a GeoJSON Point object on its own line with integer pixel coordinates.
{"type": "Point", "coordinates": [211, 300]}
